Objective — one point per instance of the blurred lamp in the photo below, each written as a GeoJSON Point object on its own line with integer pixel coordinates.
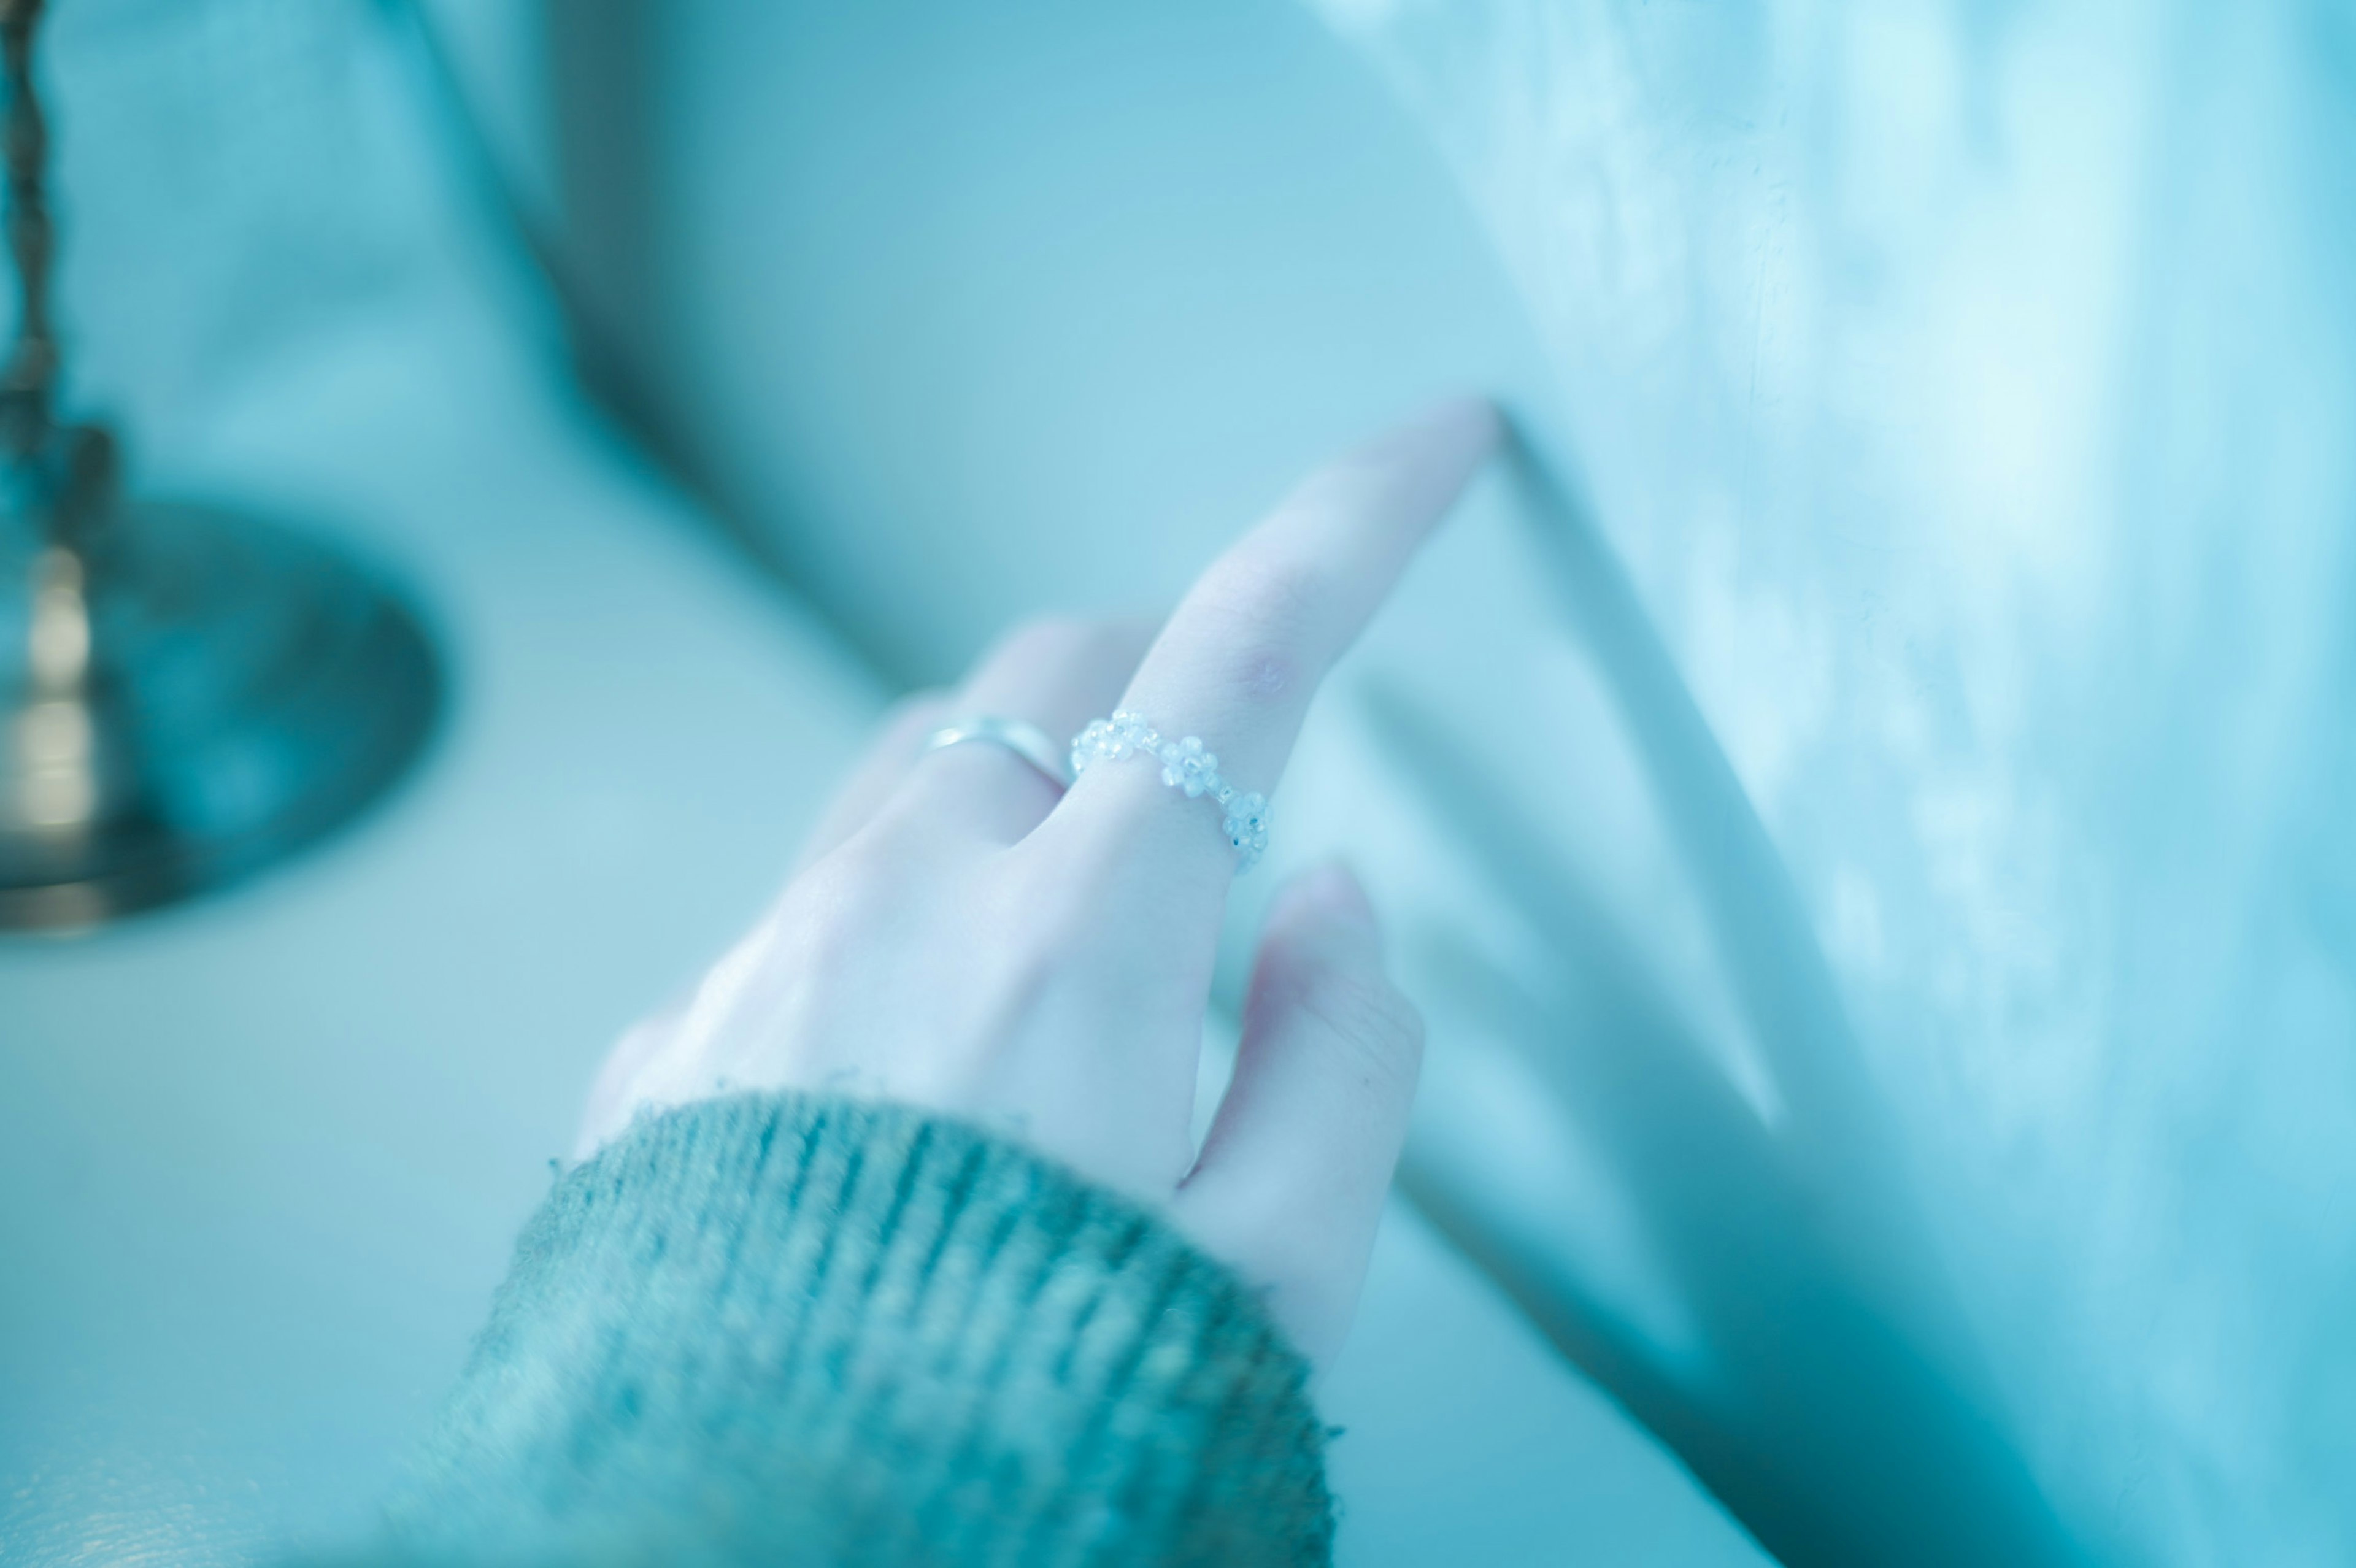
{"type": "Point", "coordinates": [186, 694]}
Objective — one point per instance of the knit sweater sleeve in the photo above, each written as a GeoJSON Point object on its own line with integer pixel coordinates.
{"type": "Point", "coordinates": [782, 1328]}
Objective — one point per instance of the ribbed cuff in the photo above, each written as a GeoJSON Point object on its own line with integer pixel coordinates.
{"type": "Point", "coordinates": [855, 1334]}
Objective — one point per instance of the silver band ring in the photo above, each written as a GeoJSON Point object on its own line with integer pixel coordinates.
{"type": "Point", "coordinates": [1027, 741]}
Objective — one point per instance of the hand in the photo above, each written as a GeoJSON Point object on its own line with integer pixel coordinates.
{"type": "Point", "coordinates": [963, 936]}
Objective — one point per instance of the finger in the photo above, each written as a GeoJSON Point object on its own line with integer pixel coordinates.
{"type": "Point", "coordinates": [1242, 656]}
{"type": "Point", "coordinates": [605, 1113]}
{"type": "Point", "coordinates": [1290, 1185]}
{"type": "Point", "coordinates": [876, 774]}
{"type": "Point", "coordinates": [1054, 674]}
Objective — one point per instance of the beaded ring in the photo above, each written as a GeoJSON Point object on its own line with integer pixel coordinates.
{"type": "Point", "coordinates": [1184, 766]}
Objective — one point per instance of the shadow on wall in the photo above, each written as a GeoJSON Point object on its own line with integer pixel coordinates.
{"type": "Point", "coordinates": [1843, 1413]}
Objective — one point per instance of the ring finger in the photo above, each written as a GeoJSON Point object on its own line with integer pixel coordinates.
{"type": "Point", "coordinates": [1053, 675]}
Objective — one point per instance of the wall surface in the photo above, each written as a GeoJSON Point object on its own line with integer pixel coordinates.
{"type": "Point", "coordinates": [1966, 390]}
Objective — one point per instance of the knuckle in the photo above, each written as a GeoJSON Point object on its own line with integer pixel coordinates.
{"type": "Point", "coordinates": [1264, 672]}
{"type": "Point", "coordinates": [844, 897]}
{"type": "Point", "coordinates": [820, 933]}
{"type": "Point", "coordinates": [1364, 1019]}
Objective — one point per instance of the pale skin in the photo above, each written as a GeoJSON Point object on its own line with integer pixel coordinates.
{"type": "Point", "coordinates": [965, 937]}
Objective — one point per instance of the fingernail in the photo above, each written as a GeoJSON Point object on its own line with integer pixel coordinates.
{"type": "Point", "coordinates": [1334, 889]}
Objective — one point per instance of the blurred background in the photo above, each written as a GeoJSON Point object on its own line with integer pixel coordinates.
{"type": "Point", "coordinates": [1860, 795]}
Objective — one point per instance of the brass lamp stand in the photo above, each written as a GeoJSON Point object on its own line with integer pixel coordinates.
{"type": "Point", "coordinates": [186, 694]}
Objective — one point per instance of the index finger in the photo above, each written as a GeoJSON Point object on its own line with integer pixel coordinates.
{"type": "Point", "coordinates": [1239, 659]}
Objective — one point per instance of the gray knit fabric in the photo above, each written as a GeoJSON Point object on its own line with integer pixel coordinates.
{"type": "Point", "coordinates": [780, 1329]}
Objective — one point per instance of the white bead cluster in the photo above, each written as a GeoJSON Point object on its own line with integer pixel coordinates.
{"type": "Point", "coordinates": [1185, 766]}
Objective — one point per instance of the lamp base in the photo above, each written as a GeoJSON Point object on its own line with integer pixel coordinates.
{"type": "Point", "coordinates": [202, 694]}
